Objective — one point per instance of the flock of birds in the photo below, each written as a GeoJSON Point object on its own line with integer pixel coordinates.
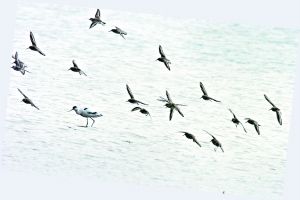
{"type": "Point", "coordinates": [88, 114]}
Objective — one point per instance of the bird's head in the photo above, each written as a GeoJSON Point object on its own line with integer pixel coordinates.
{"type": "Point", "coordinates": [74, 108]}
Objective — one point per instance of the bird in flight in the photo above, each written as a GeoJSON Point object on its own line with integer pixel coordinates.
{"type": "Point", "coordinates": [275, 109]}
{"type": "Point", "coordinates": [142, 110]}
{"type": "Point", "coordinates": [170, 104]}
{"type": "Point", "coordinates": [119, 31]}
{"type": "Point", "coordinates": [132, 99]}
{"type": "Point", "coordinates": [236, 121]}
{"type": "Point", "coordinates": [34, 47]}
{"type": "Point", "coordinates": [27, 100]}
{"type": "Point", "coordinates": [97, 19]}
{"type": "Point", "coordinates": [215, 141]}
{"type": "Point", "coordinates": [19, 65]}
{"type": "Point", "coordinates": [254, 123]}
{"type": "Point", "coordinates": [75, 68]}
{"type": "Point", "coordinates": [163, 58]}
{"type": "Point", "coordinates": [191, 136]}
{"type": "Point", "coordinates": [205, 95]}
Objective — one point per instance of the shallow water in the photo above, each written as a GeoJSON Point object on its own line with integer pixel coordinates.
{"type": "Point", "coordinates": [237, 64]}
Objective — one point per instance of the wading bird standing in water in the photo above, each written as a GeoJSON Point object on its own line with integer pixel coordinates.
{"type": "Point", "coordinates": [118, 31]}
{"type": "Point", "coordinates": [87, 114]}
{"type": "Point", "coordinates": [34, 47]}
{"type": "Point", "coordinates": [75, 68]}
{"type": "Point", "coordinates": [275, 109]}
{"type": "Point", "coordinates": [254, 123]}
{"type": "Point", "coordinates": [236, 121]}
{"type": "Point", "coordinates": [215, 141]}
{"type": "Point", "coordinates": [96, 20]}
{"type": "Point", "coordinates": [27, 100]}
{"type": "Point", "coordinates": [170, 104]}
{"type": "Point", "coordinates": [205, 95]}
{"type": "Point", "coordinates": [132, 99]}
{"type": "Point", "coordinates": [163, 58]}
{"type": "Point", "coordinates": [191, 136]}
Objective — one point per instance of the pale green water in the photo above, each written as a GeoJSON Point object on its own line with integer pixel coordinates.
{"type": "Point", "coordinates": [237, 64]}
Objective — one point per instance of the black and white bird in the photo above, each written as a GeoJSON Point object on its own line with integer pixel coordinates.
{"type": "Point", "coordinates": [170, 104]}
{"type": "Point", "coordinates": [215, 141]}
{"type": "Point", "coordinates": [19, 65]}
{"type": "Point", "coordinates": [275, 109]}
{"type": "Point", "coordinates": [132, 99]}
{"type": "Point", "coordinates": [119, 31]}
{"type": "Point", "coordinates": [163, 58]}
{"type": "Point", "coordinates": [254, 123]}
{"type": "Point", "coordinates": [236, 121]}
{"type": "Point", "coordinates": [142, 110]}
{"type": "Point", "coordinates": [205, 95]}
{"type": "Point", "coordinates": [191, 136]}
{"type": "Point", "coordinates": [96, 20]}
{"type": "Point", "coordinates": [87, 114]}
{"type": "Point", "coordinates": [34, 47]}
{"type": "Point", "coordinates": [27, 100]}
{"type": "Point", "coordinates": [75, 68]}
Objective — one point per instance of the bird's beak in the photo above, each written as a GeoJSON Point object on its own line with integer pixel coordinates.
{"type": "Point", "coordinates": [70, 110]}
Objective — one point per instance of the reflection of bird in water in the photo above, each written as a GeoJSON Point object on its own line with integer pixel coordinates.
{"type": "Point", "coordinates": [170, 104]}
{"type": "Point", "coordinates": [191, 136]}
{"type": "Point", "coordinates": [205, 95]}
{"type": "Point", "coordinates": [215, 141]}
{"type": "Point", "coordinates": [275, 109]}
{"type": "Point", "coordinates": [236, 121]}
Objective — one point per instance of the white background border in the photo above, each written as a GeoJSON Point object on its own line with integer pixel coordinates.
{"type": "Point", "coordinates": [283, 13]}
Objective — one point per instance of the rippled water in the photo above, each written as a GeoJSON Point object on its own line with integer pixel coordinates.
{"type": "Point", "coordinates": [237, 64]}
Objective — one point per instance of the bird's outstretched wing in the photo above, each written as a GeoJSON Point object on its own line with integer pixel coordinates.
{"type": "Point", "coordinates": [257, 128]}
{"type": "Point", "coordinates": [23, 94]}
{"type": "Point", "coordinates": [232, 113]}
{"type": "Point", "coordinates": [195, 140]}
{"type": "Point", "coordinates": [266, 97]}
{"type": "Point", "coordinates": [97, 15]}
{"type": "Point", "coordinates": [168, 96]}
{"type": "Point", "coordinates": [178, 110]}
{"type": "Point", "coordinates": [129, 92]}
{"type": "Point", "coordinates": [243, 127]}
{"type": "Point", "coordinates": [81, 72]}
{"type": "Point", "coordinates": [32, 39]}
{"type": "Point", "coordinates": [162, 99]}
{"type": "Point", "coordinates": [214, 99]}
{"type": "Point", "coordinates": [209, 134]}
{"type": "Point", "coordinates": [161, 52]}
{"type": "Point", "coordinates": [32, 104]}
{"type": "Point", "coordinates": [167, 65]}
{"type": "Point", "coordinates": [203, 88]}
{"type": "Point", "coordinates": [122, 36]}
{"type": "Point", "coordinates": [278, 114]}
{"type": "Point", "coordinates": [40, 52]}
{"type": "Point", "coordinates": [135, 108]}
{"type": "Point", "coordinates": [74, 64]}
{"type": "Point", "coordinates": [171, 113]}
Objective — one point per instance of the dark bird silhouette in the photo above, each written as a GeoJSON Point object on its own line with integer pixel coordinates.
{"type": "Point", "coordinates": [27, 100]}
{"type": "Point", "coordinates": [118, 31]}
{"type": "Point", "coordinates": [142, 110]}
{"type": "Point", "coordinates": [236, 121]}
{"type": "Point", "coordinates": [97, 19]}
{"type": "Point", "coordinates": [254, 123]}
{"type": "Point", "coordinates": [170, 104]}
{"type": "Point", "coordinates": [75, 68]}
{"type": "Point", "coordinates": [19, 65]}
{"type": "Point", "coordinates": [275, 109]}
{"type": "Point", "coordinates": [205, 95]}
{"type": "Point", "coordinates": [132, 99]}
{"type": "Point", "coordinates": [215, 141]}
{"type": "Point", "coordinates": [163, 58]}
{"type": "Point", "coordinates": [34, 47]}
{"type": "Point", "coordinates": [191, 136]}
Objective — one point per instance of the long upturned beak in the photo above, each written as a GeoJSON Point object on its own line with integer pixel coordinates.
{"type": "Point", "coordinates": [70, 110]}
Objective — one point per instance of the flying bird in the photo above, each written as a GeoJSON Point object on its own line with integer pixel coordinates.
{"type": "Point", "coordinates": [236, 121]}
{"type": "Point", "coordinates": [191, 136]}
{"type": "Point", "coordinates": [254, 123]}
{"type": "Point", "coordinates": [215, 141]}
{"type": "Point", "coordinates": [163, 58]}
{"type": "Point", "coordinates": [19, 65]}
{"type": "Point", "coordinates": [205, 95]}
{"type": "Point", "coordinates": [170, 104]}
{"type": "Point", "coordinates": [142, 110]}
{"type": "Point", "coordinates": [275, 109]}
{"type": "Point", "coordinates": [27, 100]}
{"type": "Point", "coordinates": [75, 68]}
{"type": "Point", "coordinates": [96, 20]}
{"type": "Point", "coordinates": [118, 31]}
{"type": "Point", "coordinates": [87, 114]}
{"type": "Point", "coordinates": [132, 99]}
{"type": "Point", "coordinates": [34, 47]}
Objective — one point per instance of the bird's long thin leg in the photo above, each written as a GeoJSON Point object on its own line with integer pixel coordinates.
{"type": "Point", "coordinates": [87, 122]}
{"type": "Point", "coordinates": [93, 121]}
